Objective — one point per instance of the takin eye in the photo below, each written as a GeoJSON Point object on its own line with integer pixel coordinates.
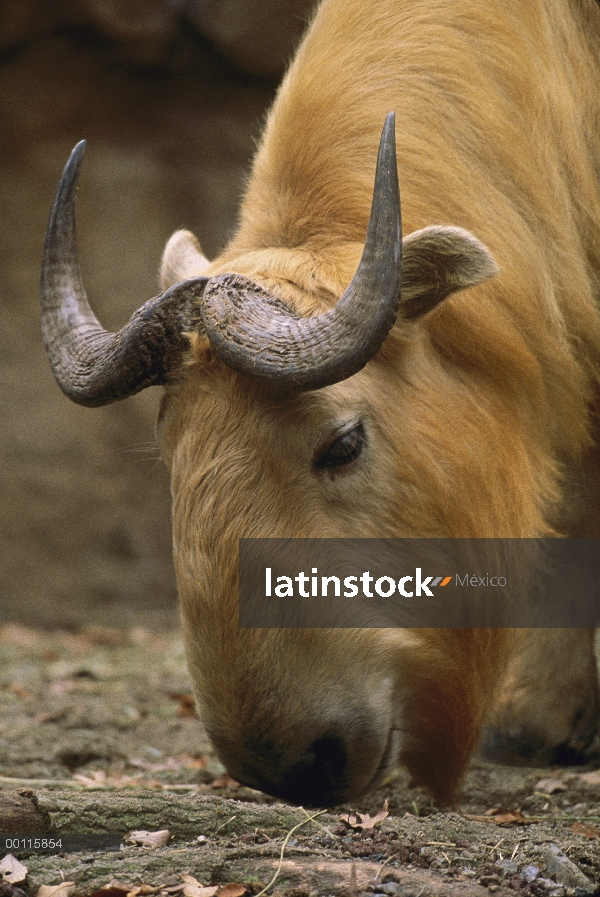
{"type": "Point", "coordinates": [345, 448]}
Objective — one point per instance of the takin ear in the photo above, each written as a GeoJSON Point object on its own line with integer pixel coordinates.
{"type": "Point", "coordinates": [182, 259]}
{"type": "Point", "coordinates": [438, 261]}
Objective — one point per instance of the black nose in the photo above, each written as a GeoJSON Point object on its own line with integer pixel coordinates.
{"type": "Point", "coordinates": [318, 779]}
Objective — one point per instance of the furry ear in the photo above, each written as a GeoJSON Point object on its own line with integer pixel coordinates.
{"type": "Point", "coordinates": [182, 259]}
{"type": "Point", "coordinates": [438, 261]}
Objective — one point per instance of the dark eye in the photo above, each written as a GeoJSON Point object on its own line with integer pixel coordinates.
{"type": "Point", "coordinates": [345, 449]}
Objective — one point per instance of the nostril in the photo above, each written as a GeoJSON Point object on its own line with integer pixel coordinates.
{"type": "Point", "coordinates": [315, 780]}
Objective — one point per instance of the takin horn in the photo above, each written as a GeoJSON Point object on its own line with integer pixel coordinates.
{"type": "Point", "coordinates": [251, 330]}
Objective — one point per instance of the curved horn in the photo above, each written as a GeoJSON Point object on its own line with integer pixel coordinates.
{"type": "Point", "coordinates": [92, 366]}
{"type": "Point", "coordinates": [255, 333]}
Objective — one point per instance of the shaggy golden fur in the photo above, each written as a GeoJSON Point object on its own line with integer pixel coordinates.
{"type": "Point", "coordinates": [474, 413]}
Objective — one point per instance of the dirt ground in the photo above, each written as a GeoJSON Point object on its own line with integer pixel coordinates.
{"type": "Point", "coordinates": [105, 716]}
{"type": "Point", "coordinates": [94, 695]}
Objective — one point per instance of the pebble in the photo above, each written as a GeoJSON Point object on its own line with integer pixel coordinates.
{"type": "Point", "coordinates": [552, 888]}
{"type": "Point", "coordinates": [507, 866]}
{"type": "Point", "coordinates": [563, 869]}
{"type": "Point", "coordinates": [530, 873]}
{"type": "Point", "coordinates": [391, 888]}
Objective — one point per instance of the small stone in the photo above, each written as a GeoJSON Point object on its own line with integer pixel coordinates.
{"type": "Point", "coordinates": [507, 866]}
{"type": "Point", "coordinates": [530, 873]}
{"type": "Point", "coordinates": [391, 888]}
{"type": "Point", "coordinates": [563, 869]}
{"type": "Point", "coordinates": [489, 880]}
{"type": "Point", "coordinates": [551, 888]}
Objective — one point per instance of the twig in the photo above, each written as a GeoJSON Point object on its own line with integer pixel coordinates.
{"type": "Point", "coordinates": [380, 870]}
{"type": "Point", "coordinates": [320, 824]}
{"type": "Point", "coordinates": [283, 846]}
{"type": "Point", "coordinates": [223, 824]}
{"type": "Point", "coordinates": [40, 783]}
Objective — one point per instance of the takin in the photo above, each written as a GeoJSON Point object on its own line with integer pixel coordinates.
{"type": "Point", "coordinates": [325, 376]}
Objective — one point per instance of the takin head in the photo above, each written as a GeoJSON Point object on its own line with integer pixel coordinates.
{"type": "Point", "coordinates": [282, 419]}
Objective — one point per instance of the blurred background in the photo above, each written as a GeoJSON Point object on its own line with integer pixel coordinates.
{"type": "Point", "coordinates": [171, 96]}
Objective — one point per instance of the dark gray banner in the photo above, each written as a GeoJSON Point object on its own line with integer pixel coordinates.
{"type": "Point", "coordinates": [423, 583]}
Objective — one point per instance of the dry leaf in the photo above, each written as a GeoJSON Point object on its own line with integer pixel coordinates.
{"type": "Point", "coordinates": [474, 817]}
{"type": "Point", "coordinates": [513, 817]}
{"type": "Point", "coordinates": [64, 889]}
{"type": "Point", "coordinates": [224, 781]}
{"type": "Point", "coordinates": [149, 839]}
{"type": "Point", "coordinates": [191, 891]}
{"type": "Point", "coordinates": [187, 705]}
{"type": "Point", "coordinates": [114, 888]}
{"type": "Point", "coordinates": [97, 779]}
{"type": "Point", "coordinates": [364, 821]}
{"type": "Point", "coordinates": [12, 870]}
{"type": "Point", "coordinates": [550, 786]}
{"type": "Point", "coordinates": [192, 762]}
{"type": "Point", "coordinates": [232, 890]}
{"type": "Point", "coordinates": [193, 888]}
{"type": "Point", "coordinates": [587, 830]}
{"type": "Point", "coordinates": [142, 890]}
{"type": "Point", "coordinates": [167, 764]}
{"type": "Point", "coordinates": [591, 778]}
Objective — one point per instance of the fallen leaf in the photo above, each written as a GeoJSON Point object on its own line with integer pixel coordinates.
{"type": "Point", "coordinates": [12, 870]}
{"type": "Point", "coordinates": [187, 705]}
{"type": "Point", "coordinates": [149, 839]}
{"type": "Point", "coordinates": [64, 889]}
{"type": "Point", "coordinates": [191, 891]}
{"type": "Point", "coordinates": [193, 888]}
{"type": "Point", "coordinates": [97, 779]}
{"type": "Point", "coordinates": [169, 763]}
{"type": "Point", "coordinates": [587, 830]}
{"type": "Point", "coordinates": [192, 762]}
{"type": "Point", "coordinates": [513, 817]}
{"type": "Point", "coordinates": [114, 888]}
{"type": "Point", "coordinates": [225, 781]}
{"type": "Point", "coordinates": [591, 778]}
{"type": "Point", "coordinates": [364, 821]}
{"type": "Point", "coordinates": [142, 890]}
{"type": "Point", "coordinates": [232, 890]}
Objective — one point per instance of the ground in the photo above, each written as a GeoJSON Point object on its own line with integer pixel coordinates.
{"type": "Point", "coordinates": [99, 734]}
